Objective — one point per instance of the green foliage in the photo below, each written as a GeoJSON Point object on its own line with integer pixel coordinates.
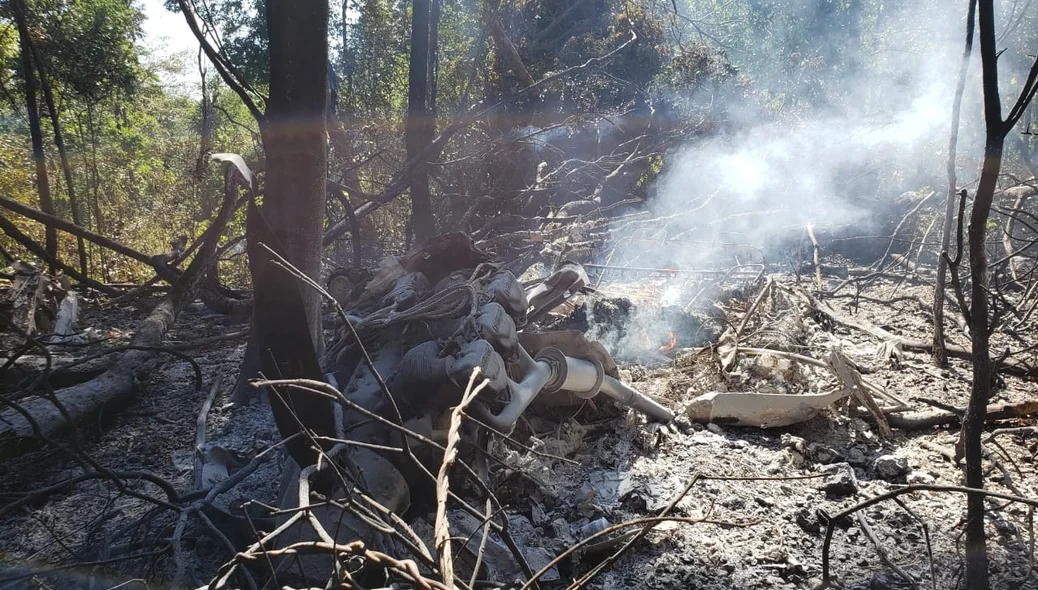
{"type": "Point", "coordinates": [243, 33]}
{"type": "Point", "coordinates": [373, 61]}
{"type": "Point", "coordinates": [87, 45]}
{"type": "Point", "coordinates": [133, 147]}
{"type": "Point", "coordinates": [555, 34]}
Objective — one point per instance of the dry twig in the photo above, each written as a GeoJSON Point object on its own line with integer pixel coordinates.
{"type": "Point", "coordinates": [441, 528]}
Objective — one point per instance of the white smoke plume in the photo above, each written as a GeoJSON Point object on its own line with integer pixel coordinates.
{"type": "Point", "coordinates": [883, 131]}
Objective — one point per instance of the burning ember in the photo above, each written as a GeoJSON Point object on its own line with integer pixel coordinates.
{"type": "Point", "coordinates": [671, 343]}
{"type": "Point", "coordinates": [645, 334]}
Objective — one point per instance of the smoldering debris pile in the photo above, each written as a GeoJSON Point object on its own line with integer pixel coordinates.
{"type": "Point", "coordinates": [549, 500]}
{"type": "Point", "coordinates": [805, 396]}
{"type": "Point", "coordinates": [429, 338]}
{"type": "Point", "coordinates": [645, 334]}
{"type": "Point", "coordinates": [426, 324]}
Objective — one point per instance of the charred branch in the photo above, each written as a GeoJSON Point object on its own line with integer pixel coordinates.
{"type": "Point", "coordinates": [51, 417]}
{"type": "Point", "coordinates": [12, 230]}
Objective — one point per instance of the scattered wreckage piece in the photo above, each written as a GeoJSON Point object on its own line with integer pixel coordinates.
{"type": "Point", "coordinates": [66, 320]}
{"type": "Point", "coordinates": [585, 361]}
{"type": "Point", "coordinates": [411, 335]}
{"type": "Point", "coordinates": [771, 410]}
{"type": "Point", "coordinates": [763, 410]}
{"type": "Point", "coordinates": [32, 300]}
{"type": "Point", "coordinates": [568, 278]}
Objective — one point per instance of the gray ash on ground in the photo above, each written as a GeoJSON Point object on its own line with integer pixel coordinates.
{"type": "Point", "coordinates": [764, 531]}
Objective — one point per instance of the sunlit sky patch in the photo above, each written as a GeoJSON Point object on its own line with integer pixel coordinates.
{"type": "Point", "coordinates": [166, 37]}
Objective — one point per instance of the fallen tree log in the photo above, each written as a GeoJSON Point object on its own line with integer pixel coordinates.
{"type": "Point", "coordinates": [12, 230]}
{"type": "Point", "coordinates": [69, 227]}
{"type": "Point", "coordinates": [923, 420]}
{"type": "Point", "coordinates": [41, 417]}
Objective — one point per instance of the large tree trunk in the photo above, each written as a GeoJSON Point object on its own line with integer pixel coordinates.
{"type": "Point", "coordinates": [973, 424]}
{"type": "Point", "coordinates": [419, 124]}
{"type": "Point", "coordinates": [42, 182]}
{"type": "Point", "coordinates": [996, 131]}
{"type": "Point", "coordinates": [434, 54]}
{"type": "Point", "coordinates": [295, 141]}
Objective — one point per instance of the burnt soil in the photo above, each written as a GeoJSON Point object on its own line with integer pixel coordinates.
{"type": "Point", "coordinates": [762, 531]}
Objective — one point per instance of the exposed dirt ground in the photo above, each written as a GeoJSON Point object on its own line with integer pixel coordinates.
{"type": "Point", "coordinates": [764, 531]}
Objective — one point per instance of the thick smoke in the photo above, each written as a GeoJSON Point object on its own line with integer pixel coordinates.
{"type": "Point", "coordinates": [829, 145]}
{"type": "Point", "coordinates": [872, 124]}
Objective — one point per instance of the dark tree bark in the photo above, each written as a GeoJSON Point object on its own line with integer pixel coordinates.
{"type": "Point", "coordinates": [295, 144]}
{"type": "Point", "coordinates": [996, 131]}
{"type": "Point", "coordinates": [420, 126]}
{"type": "Point", "coordinates": [42, 182]}
{"type": "Point", "coordinates": [295, 141]}
{"type": "Point", "coordinates": [940, 355]}
{"type": "Point", "coordinates": [434, 54]}
{"type": "Point", "coordinates": [59, 141]}
{"type": "Point", "coordinates": [973, 425]}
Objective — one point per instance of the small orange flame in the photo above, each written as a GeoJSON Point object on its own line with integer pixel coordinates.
{"type": "Point", "coordinates": [671, 343]}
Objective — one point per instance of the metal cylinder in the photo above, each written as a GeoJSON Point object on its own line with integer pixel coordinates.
{"type": "Point", "coordinates": [552, 371]}
{"type": "Point", "coordinates": [583, 378]}
{"type": "Point", "coordinates": [637, 400]}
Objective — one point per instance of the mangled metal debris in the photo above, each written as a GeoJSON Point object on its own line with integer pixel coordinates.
{"type": "Point", "coordinates": [428, 319]}
{"type": "Point", "coordinates": [415, 330]}
{"type": "Point", "coordinates": [764, 410]}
